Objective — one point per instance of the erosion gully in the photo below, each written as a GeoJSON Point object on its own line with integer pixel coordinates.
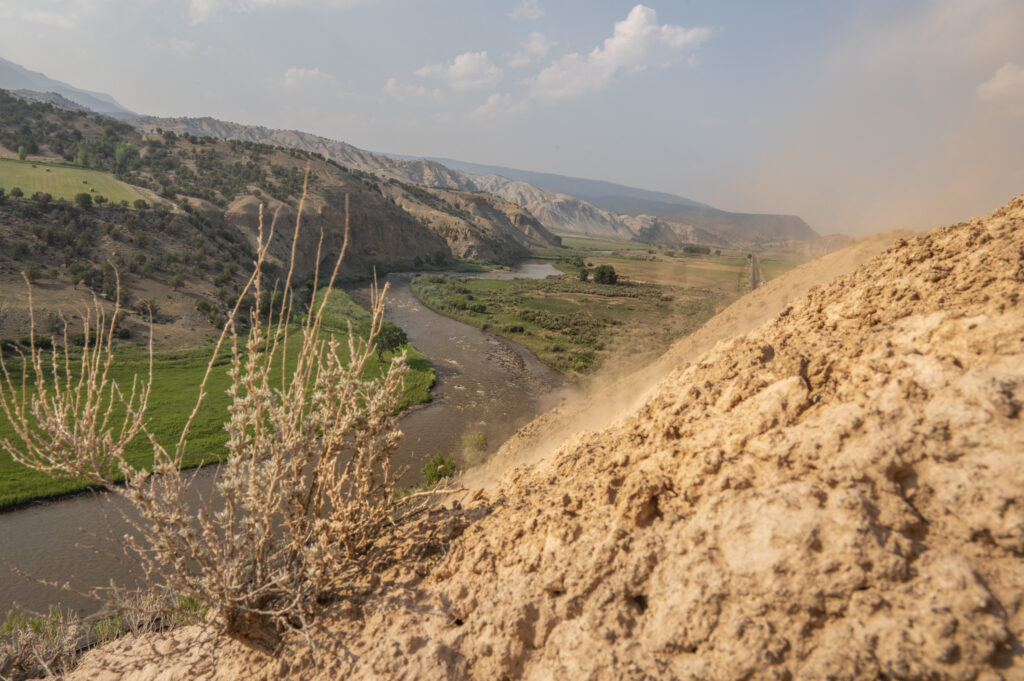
{"type": "Point", "coordinates": [484, 384]}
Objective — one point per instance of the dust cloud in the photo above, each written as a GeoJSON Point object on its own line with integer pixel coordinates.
{"type": "Point", "coordinates": [615, 393]}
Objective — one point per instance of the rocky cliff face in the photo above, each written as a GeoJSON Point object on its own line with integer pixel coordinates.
{"type": "Point", "coordinates": [474, 224]}
{"type": "Point", "coordinates": [565, 213]}
{"type": "Point", "coordinates": [656, 230]}
{"type": "Point", "coordinates": [833, 495]}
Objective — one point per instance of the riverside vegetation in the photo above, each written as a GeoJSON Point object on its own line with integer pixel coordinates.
{"type": "Point", "coordinates": [579, 323]}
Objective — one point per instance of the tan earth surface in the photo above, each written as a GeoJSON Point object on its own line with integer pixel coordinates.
{"type": "Point", "coordinates": [835, 495]}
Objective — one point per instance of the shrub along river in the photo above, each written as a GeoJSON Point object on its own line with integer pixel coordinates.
{"type": "Point", "coordinates": [485, 384]}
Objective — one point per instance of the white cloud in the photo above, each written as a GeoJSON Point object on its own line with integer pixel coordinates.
{"type": "Point", "coordinates": [403, 92]}
{"type": "Point", "coordinates": [1007, 84]}
{"type": "Point", "coordinates": [636, 43]}
{"type": "Point", "coordinates": [535, 47]}
{"type": "Point", "coordinates": [47, 18]}
{"type": "Point", "coordinates": [295, 77]}
{"type": "Point", "coordinates": [498, 105]}
{"type": "Point", "coordinates": [53, 13]}
{"type": "Point", "coordinates": [203, 10]}
{"type": "Point", "coordinates": [527, 9]}
{"type": "Point", "coordinates": [469, 71]}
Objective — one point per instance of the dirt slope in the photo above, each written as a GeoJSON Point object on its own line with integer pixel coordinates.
{"type": "Point", "coordinates": [547, 432]}
{"type": "Point", "coordinates": [834, 495]}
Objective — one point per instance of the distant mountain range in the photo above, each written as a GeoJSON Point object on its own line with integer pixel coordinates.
{"type": "Point", "coordinates": [657, 217]}
{"type": "Point", "coordinates": [632, 201]}
{"type": "Point", "coordinates": [565, 205]}
{"type": "Point", "coordinates": [14, 77]}
{"type": "Point", "coordinates": [610, 196]}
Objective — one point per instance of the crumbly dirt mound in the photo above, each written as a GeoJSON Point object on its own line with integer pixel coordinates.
{"type": "Point", "coordinates": [836, 495]}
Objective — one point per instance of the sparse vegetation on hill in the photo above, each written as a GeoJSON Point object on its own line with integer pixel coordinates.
{"type": "Point", "coordinates": [226, 180]}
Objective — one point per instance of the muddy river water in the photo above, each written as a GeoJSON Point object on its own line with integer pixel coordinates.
{"type": "Point", "coordinates": [484, 384]}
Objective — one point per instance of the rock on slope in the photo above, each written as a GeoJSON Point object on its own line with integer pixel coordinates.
{"type": "Point", "coordinates": [834, 495]}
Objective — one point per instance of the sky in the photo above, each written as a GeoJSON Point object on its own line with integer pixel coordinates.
{"type": "Point", "coordinates": [858, 116]}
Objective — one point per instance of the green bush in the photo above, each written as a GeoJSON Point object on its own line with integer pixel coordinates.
{"type": "Point", "coordinates": [439, 467]}
{"type": "Point", "coordinates": [605, 274]}
{"type": "Point", "coordinates": [33, 272]}
{"type": "Point", "coordinates": [390, 339]}
{"type": "Point", "coordinates": [42, 342]}
{"type": "Point", "coordinates": [475, 443]}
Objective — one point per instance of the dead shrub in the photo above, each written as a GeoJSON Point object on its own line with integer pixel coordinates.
{"type": "Point", "coordinates": [306, 487]}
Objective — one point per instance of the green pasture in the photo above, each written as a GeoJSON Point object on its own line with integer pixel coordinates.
{"type": "Point", "coordinates": [62, 182]}
{"type": "Point", "coordinates": [176, 379]}
{"type": "Point", "coordinates": [574, 326]}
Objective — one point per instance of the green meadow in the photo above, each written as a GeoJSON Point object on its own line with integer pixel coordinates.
{"type": "Point", "coordinates": [176, 378]}
{"type": "Point", "coordinates": [62, 182]}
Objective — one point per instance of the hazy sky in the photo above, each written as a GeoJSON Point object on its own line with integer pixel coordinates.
{"type": "Point", "coordinates": [859, 116]}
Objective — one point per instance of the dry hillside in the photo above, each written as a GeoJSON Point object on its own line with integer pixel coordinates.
{"type": "Point", "coordinates": [675, 224]}
{"type": "Point", "coordinates": [835, 495]}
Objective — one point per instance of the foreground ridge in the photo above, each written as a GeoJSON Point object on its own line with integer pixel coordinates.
{"type": "Point", "coordinates": [834, 495]}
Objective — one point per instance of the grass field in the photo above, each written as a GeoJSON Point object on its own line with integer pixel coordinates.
{"type": "Point", "coordinates": [62, 182]}
{"type": "Point", "coordinates": [176, 380]}
{"type": "Point", "coordinates": [574, 327]}
{"type": "Point", "coordinates": [774, 264]}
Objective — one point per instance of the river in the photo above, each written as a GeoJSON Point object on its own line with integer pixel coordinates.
{"type": "Point", "coordinates": [484, 384]}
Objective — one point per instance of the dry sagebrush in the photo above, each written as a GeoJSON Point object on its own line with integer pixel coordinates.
{"type": "Point", "coordinates": [306, 487]}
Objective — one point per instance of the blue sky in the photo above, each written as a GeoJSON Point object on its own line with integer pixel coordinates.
{"type": "Point", "coordinates": [859, 116]}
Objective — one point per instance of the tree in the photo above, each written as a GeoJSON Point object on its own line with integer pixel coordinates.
{"type": "Point", "coordinates": [33, 272]}
{"type": "Point", "coordinates": [140, 204]}
{"type": "Point", "coordinates": [83, 154]}
{"type": "Point", "coordinates": [147, 307]}
{"type": "Point", "coordinates": [605, 274]}
{"type": "Point", "coordinates": [177, 281]}
{"type": "Point", "coordinates": [583, 274]}
{"type": "Point", "coordinates": [84, 200]}
{"type": "Point", "coordinates": [22, 153]}
{"type": "Point", "coordinates": [390, 338]}
{"type": "Point", "coordinates": [126, 157]}
{"type": "Point", "coordinates": [17, 193]}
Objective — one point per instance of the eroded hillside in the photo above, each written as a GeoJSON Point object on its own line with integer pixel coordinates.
{"type": "Point", "coordinates": [673, 224]}
{"type": "Point", "coordinates": [835, 494]}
